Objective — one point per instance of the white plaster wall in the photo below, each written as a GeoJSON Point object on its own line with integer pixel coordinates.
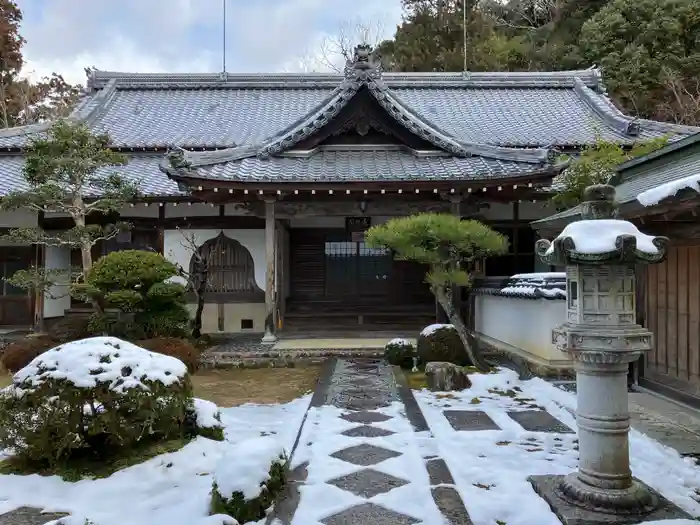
{"type": "Point", "coordinates": [18, 219]}
{"type": "Point", "coordinates": [522, 326]}
{"type": "Point", "coordinates": [252, 240]}
{"type": "Point", "coordinates": [57, 258]}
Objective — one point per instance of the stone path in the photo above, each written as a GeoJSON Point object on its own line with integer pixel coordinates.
{"type": "Point", "coordinates": [367, 457]}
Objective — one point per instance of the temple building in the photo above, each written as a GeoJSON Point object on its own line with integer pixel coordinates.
{"type": "Point", "coordinates": [278, 175]}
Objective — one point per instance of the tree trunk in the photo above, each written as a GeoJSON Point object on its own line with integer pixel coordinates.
{"type": "Point", "coordinates": [467, 339]}
{"type": "Point", "coordinates": [202, 274]}
{"type": "Point", "coordinates": [86, 257]}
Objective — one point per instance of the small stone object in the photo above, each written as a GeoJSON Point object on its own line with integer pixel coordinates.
{"type": "Point", "coordinates": [444, 377]}
{"type": "Point", "coordinates": [415, 365]}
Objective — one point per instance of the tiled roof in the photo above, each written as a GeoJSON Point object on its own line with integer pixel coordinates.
{"type": "Point", "coordinates": [371, 164]}
{"type": "Point", "coordinates": [209, 110]}
{"type": "Point", "coordinates": [486, 126]}
{"type": "Point", "coordinates": [141, 169]}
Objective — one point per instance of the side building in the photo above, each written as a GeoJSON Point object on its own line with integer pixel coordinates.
{"type": "Point", "coordinates": [660, 192]}
{"type": "Point", "coordinates": [278, 176]}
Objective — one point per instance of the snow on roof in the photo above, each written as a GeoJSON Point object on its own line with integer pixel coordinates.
{"type": "Point", "coordinates": [653, 196]}
{"type": "Point", "coordinates": [599, 236]}
{"type": "Point", "coordinates": [87, 362]}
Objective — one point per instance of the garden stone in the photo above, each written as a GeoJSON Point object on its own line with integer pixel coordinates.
{"type": "Point", "coordinates": [444, 377]}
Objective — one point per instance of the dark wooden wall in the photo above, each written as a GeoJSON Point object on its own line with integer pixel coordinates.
{"type": "Point", "coordinates": [671, 306]}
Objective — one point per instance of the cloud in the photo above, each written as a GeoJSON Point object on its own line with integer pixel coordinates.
{"type": "Point", "coordinates": [186, 35]}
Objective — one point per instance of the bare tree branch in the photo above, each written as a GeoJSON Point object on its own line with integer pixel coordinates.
{"type": "Point", "coordinates": [335, 50]}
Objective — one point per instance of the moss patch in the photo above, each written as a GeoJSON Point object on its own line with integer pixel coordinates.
{"type": "Point", "coordinates": [5, 379]}
{"type": "Point", "coordinates": [90, 467]}
{"type": "Point", "coordinates": [416, 380]}
{"type": "Point", "coordinates": [236, 386]}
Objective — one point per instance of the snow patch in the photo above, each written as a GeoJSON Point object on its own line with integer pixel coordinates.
{"type": "Point", "coordinates": [653, 196]}
{"type": "Point", "coordinates": [431, 329]}
{"type": "Point", "coordinates": [245, 468]}
{"type": "Point", "coordinates": [87, 362]}
{"type": "Point", "coordinates": [540, 275]}
{"type": "Point", "coordinates": [170, 489]}
{"type": "Point", "coordinates": [532, 291]}
{"type": "Point", "coordinates": [400, 342]}
{"type": "Point", "coordinates": [208, 415]}
{"type": "Point", "coordinates": [503, 459]}
{"type": "Point", "coordinates": [599, 236]}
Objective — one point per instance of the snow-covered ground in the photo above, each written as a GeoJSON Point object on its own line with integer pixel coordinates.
{"type": "Point", "coordinates": [491, 467]}
{"type": "Point", "coordinates": [172, 489]}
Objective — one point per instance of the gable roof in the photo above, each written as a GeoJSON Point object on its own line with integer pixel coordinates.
{"type": "Point", "coordinates": [493, 124]}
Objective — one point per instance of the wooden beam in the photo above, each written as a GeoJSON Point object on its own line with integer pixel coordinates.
{"type": "Point", "coordinates": [271, 263]}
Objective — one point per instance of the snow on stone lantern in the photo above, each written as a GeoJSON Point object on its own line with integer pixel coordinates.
{"type": "Point", "coordinates": [602, 338]}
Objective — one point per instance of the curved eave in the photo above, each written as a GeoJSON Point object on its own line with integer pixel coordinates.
{"type": "Point", "coordinates": [562, 252]}
{"type": "Point", "coordinates": [191, 178]}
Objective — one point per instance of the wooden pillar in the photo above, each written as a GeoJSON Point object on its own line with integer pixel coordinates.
{"type": "Point", "coordinates": [271, 263]}
{"type": "Point", "coordinates": [161, 229]}
{"type": "Point", "coordinates": [456, 209]}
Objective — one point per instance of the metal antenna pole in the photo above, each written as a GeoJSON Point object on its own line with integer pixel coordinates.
{"type": "Point", "coordinates": [224, 36]}
{"type": "Point", "coordinates": [464, 29]}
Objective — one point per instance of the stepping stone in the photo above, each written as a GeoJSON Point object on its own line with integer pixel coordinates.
{"type": "Point", "coordinates": [28, 516]}
{"type": "Point", "coordinates": [365, 417]}
{"type": "Point", "coordinates": [470, 420]}
{"type": "Point", "coordinates": [367, 431]}
{"type": "Point", "coordinates": [451, 505]}
{"type": "Point", "coordinates": [367, 483]}
{"type": "Point", "coordinates": [365, 454]}
{"type": "Point", "coordinates": [439, 473]}
{"type": "Point", "coordinates": [369, 513]}
{"type": "Point", "coordinates": [539, 421]}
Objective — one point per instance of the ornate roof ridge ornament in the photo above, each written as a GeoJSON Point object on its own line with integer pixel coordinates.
{"type": "Point", "coordinates": [600, 238]}
{"type": "Point", "coordinates": [365, 66]}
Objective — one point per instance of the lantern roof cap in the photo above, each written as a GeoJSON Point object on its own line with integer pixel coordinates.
{"type": "Point", "coordinates": [599, 238]}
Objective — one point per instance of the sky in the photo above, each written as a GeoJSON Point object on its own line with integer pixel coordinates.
{"type": "Point", "coordinates": [67, 36]}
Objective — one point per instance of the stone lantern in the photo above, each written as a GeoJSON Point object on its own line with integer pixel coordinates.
{"type": "Point", "coordinates": [602, 338]}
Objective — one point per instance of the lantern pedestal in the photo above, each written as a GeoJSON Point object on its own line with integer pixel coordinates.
{"type": "Point", "coordinates": [602, 338]}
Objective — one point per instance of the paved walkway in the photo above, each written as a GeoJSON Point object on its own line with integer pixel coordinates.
{"type": "Point", "coordinates": [365, 456]}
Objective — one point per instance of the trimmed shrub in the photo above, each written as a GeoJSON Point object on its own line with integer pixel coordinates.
{"type": "Point", "coordinates": [182, 349]}
{"type": "Point", "coordinates": [400, 352]}
{"type": "Point", "coordinates": [441, 342]}
{"type": "Point", "coordinates": [132, 284]}
{"type": "Point", "coordinates": [203, 418]}
{"type": "Point", "coordinates": [92, 398]}
{"type": "Point", "coordinates": [19, 354]}
{"type": "Point", "coordinates": [246, 498]}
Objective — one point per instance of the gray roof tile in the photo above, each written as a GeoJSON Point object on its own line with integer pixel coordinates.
{"type": "Point", "coordinates": [378, 165]}
{"type": "Point", "coordinates": [143, 170]}
{"type": "Point", "coordinates": [506, 109]}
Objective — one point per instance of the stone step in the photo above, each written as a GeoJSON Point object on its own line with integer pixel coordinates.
{"type": "Point", "coordinates": [283, 358]}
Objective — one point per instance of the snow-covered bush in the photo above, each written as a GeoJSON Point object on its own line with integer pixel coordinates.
{"type": "Point", "coordinates": [94, 396]}
{"type": "Point", "coordinates": [203, 418]}
{"type": "Point", "coordinates": [400, 352]}
{"type": "Point", "coordinates": [441, 342]}
{"type": "Point", "coordinates": [248, 479]}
